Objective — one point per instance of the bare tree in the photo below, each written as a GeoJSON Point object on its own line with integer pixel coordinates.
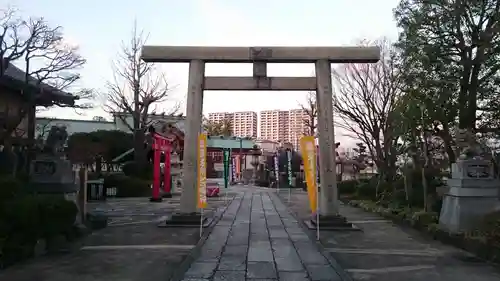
{"type": "Point", "coordinates": [365, 99]}
{"type": "Point", "coordinates": [311, 111]}
{"type": "Point", "coordinates": [47, 65]}
{"type": "Point", "coordinates": [136, 89]}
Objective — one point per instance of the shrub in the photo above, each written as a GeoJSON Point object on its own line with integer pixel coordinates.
{"type": "Point", "coordinates": [127, 186]}
{"type": "Point", "coordinates": [423, 218]}
{"type": "Point", "coordinates": [490, 227]}
{"type": "Point", "coordinates": [57, 215]}
{"type": "Point", "coordinates": [28, 218]}
{"type": "Point", "coordinates": [366, 190]}
{"type": "Point", "coordinates": [347, 187]}
{"type": "Point", "coordinates": [133, 169]}
{"type": "Point", "coordinates": [9, 188]}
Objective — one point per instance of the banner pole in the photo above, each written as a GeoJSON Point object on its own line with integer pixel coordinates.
{"type": "Point", "coordinates": [201, 222]}
{"type": "Point", "coordinates": [317, 190]}
{"type": "Point", "coordinates": [225, 162]}
{"type": "Point", "coordinates": [317, 212]}
{"type": "Point", "coordinates": [289, 194]}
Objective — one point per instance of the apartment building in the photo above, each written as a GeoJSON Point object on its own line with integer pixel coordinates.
{"type": "Point", "coordinates": [297, 127]}
{"type": "Point", "coordinates": [283, 125]}
{"type": "Point", "coordinates": [274, 125]}
{"type": "Point", "coordinates": [244, 123]}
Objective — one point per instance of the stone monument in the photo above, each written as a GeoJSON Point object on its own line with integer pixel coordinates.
{"type": "Point", "coordinates": [50, 171]}
{"type": "Point", "coordinates": [473, 188]}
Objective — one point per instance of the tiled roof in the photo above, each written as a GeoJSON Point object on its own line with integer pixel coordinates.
{"type": "Point", "coordinates": [17, 74]}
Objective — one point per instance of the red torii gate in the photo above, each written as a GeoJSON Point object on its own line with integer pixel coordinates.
{"type": "Point", "coordinates": [161, 144]}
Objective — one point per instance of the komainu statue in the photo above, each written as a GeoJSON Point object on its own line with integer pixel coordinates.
{"type": "Point", "coordinates": [56, 140]}
{"type": "Point", "coordinates": [469, 148]}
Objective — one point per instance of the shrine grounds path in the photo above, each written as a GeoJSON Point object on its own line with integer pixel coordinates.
{"type": "Point", "coordinates": [383, 251]}
{"type": "Point", "coordinates": [258, 239]}
{"type": "Point", "coordinates": [257, 235]}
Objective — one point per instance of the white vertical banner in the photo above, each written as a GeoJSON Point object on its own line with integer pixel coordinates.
{"type": "Point", "coordinates": [277, 171]}
{"type": "Point", "coordinates": [289, 169]}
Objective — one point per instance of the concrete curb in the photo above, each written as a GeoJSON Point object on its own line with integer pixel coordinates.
{"type": "Point", "coordinates": [342, 273]}
{"type": "Point", "coordinates": [178, 274]}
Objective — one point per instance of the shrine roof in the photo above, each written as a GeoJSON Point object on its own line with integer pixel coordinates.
{"type": "Point", "coordinates": [14, 78]}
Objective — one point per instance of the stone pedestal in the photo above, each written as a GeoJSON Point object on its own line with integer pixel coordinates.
{"type": "Point", "coordinates": [152, 199]}
{"type": "Point", "coordinates": [473, 192]}
{"type": "Point", "coordinates": [50, 174]}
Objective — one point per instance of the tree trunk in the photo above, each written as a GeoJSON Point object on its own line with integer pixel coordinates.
{"type": "Point", "coordinates": [139, 149]}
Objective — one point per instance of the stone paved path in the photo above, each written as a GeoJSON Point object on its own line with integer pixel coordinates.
{"type": "Point", "coordinates": [257, 239]}
{"type": "Point", "coordinates": [383, 251]}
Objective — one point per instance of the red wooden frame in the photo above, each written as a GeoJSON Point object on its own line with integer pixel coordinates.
{"type": "Point", "coordinates": [161, 144]}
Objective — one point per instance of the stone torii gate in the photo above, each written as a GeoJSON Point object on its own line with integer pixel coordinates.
{"type": "Point", "coordinates": [322, 57]}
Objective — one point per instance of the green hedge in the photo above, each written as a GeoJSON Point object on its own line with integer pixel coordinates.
{"type": "Point", "coordinates": [135, 170]}
{"type": "Point", "coordinates": [27, 218]}
{"type": "Point", "coordinates": [127, 186]}
{"type": "Point", "coordinates": [393, 193]}
{"type": "Point", "coordinates": [362, 188]}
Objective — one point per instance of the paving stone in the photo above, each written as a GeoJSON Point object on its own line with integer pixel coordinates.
{"type": "Point", "coordinates": [239, 231]}
{"type": "Point", "coordinates": [285, 251]}
{"type": "Point", "coordinates": [273, 221]}
{"type": "Point", "coordinates": [261, 270]}
{"type": "Point", "coordinates": [299, 237]}
{"type": "Point", "coordinates": [278, 233]}
{"type": "Point", "coordinates": [293, 276]}
{"type": "Point", "coordinates": [309, 254]}
{"type": "Point", "coordinates": [229, 276]}
{"type": "Point", "coordinates": [209, 256]}
{"type": "Point", "coordinates": [260, 253]}
{"type": "Point", "coordinates": [291, 263]}
{"type": "Point", "coordinates": [232, 263]}
{"type": "Point", "coordinates": [279, 242]}
{"type": "Point", "coordinates": [237, 240]}
{"type": "Point", "coordinates": [239, 250]}
{"type": "Point", "coordinates": [201, 269]}
{"type": "Point", "coordinates": [294, 230]}
{"type": "Point", "coordinates": [322, 272]}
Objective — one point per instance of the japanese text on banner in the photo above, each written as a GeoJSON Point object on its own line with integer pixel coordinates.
{"type": "Point", "coordinates": [202, 171]}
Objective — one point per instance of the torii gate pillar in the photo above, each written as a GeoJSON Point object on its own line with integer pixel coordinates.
{"type": "Point", "coordinates": [322, 57]}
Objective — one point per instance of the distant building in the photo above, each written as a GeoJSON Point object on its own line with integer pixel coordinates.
{"type": "Point", "coordinates": [283, 125]}
{"type": "Point", "coordinates": [244, 123]}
